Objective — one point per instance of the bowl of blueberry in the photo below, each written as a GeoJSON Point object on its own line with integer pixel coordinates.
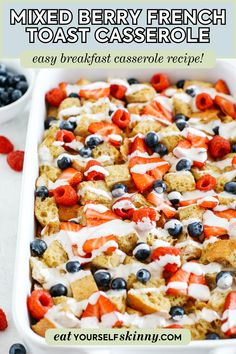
{"type": "Point", "coordinates": [15, 87]}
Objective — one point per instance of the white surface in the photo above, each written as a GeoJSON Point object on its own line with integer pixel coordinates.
{"type": "Point", "coordinates": [10, 183]}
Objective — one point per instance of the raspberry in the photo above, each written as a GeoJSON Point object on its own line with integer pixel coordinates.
{"type": "Point", "coordinates": [118, 91]}
{"type": "Point", "coordinates": [206, 183]}
{"type": "Point", "coordinates": [5, 145]}
{"type": "Point", "coordinates": [65, 195]}
{"type": "Point", "coordinates": [121, 118]}
{"type": "Point", "coordinates": [204, 101]}
{"type": "Point", "coordinates": [55, 96]}
{"type": "Point", "coordinates": [219, 147]}
{"type": "Point", "coordinates": [15, 160]}
{"type": "Point", "coordinates": [3, 321]}
{"type": "Point", "coordinates": [160, 82]}
{"type": "Point", "coordinates": [39, 302]}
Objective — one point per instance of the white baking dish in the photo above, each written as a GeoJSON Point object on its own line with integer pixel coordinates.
{"type": "Point", "coordinates": [47, 79]}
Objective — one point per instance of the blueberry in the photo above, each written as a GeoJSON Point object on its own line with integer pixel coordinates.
{"type": "Point", "coordinates": [233, 148]}
{"type": "Point", "coordinates": [184, 165]}
{"type": "Point", "coordinates": [47, 122]}
{"type": "Point", "coordinates": [174, 197]}
{"type": "Point", "coordinates": [3, 81]}
{"type": "Point", "coordinates": [174, 227]}
{"type": "Point", "coordinates": [16, 94]}
{"type": "Point", "coordinates": [132, 81]}
{"type": "Point", "coordinates": [92, 141]}
{"type": "Point", "coordinates": [212, 336]}
{"type": "Point", "coordinates": [159, 186]}
{"type": "Point", "coordinates": [161, 149]}
{"type": "Point", "coordinates": [191, 91]}
{"type": "Point", "coordinates": [230, 187]}
{"type": "Point", "coordinates": [181, 124]}
{"type": "Point", "coordinates": [38, 247]}
{"type": "Point", "coordinates": [118, 284]}
{"type": "Point", "coordinates": [143, 275]}
{"type": "Point", "coordinates": [3, 73]}
{"type": "Point", "coordinates": [102, 279]}
{"type": "Point", "coordinates": [5, 98]}
{"type": "Point", "coordinates": [64, 162]}
{"type": "Point", "coordinates": [85, 152]}
{"type": "Point", "coordinates": [180, 84]}
{"type": "Point", "coordinates": [42, 192]}
{"type": "Point", "coordinates": [73, 266]}
{"type": "Point", "coordinates": [195, 229]}
{"type": "Point", "coordinates": [216, 130]}
{"type": "Point", "coordinates": [17, 348]}
{"type": "Point", "coordinates": [73, 95]}
{"type": "Point", "coordinates": [58, 290]}
{"type": "Point", "coordinates": [110, 112]}
{"type": "Point", "coordinates": [142, 251]}
{"type": "Point", "coordinates": [180, 116]}
{"type": "Point", "coordinates": [224, 280]}
{"type": "Point", "coordinates": [118, 190]}
{"type": "Point", "coordinates": [22, 86]}
{"type": "Point", "coordinates": [19, 77]}
{"type": "Point", "coordinates": [67, 125]}
{"type": "Point", "coordinates": [176, 313]}
{"type": "Point", "coordinates": [151, 139]}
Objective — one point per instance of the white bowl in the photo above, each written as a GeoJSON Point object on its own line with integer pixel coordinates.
{"type": "Point", "coordinates": [13, 109]}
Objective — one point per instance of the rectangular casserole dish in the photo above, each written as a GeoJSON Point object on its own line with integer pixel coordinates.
{"type": "Point", "coordinates": [47, 79]}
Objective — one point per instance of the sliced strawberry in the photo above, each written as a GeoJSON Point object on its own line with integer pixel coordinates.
{"type": "Point", "coordinates": [65, 135]}
{"type": "Point", "coordinates": [124, 207]}
{"type": "Point", "coordinates": [234, 161]}
{"type": "Point", "coordinates": [216, 231]}
{"type": "Point", "coordinates": [94, 94]}
{"type": "Point", "coordinates": [142, 182]}
{"type": "Point", "coordinates": [178, 283]}
{"type": "Point", "coordinates": [160, 252]}
{"type": "Point", "coordinates": [138, 144]}
{"type": "Point", "coordinates": [55, 96]}
{"type": "Point", "coordinates": [222, 87]}
{"type": "Point", "coordinates": [90, 172]}
{"type": "Point", "coordinates": [72, 176]}
{"type": "Point", "coordinates": [174, 326]}
{"type": "Point", "coordinates": [63, 86]}
{"type": "Point", "coordinates": [95, 243]}
{"type": "Point", "coordinates": [185, 144]}
{"type": "Point", "coordinates": [70, 226]}
{"type": "Point", "coordinates": [105, 129]}
{"type": "Point", "coordinates": [121, 118]}
{"type": "Point", "coordinates": [144, 212]}
{"type": "Point", "coordinates": [155, 109]}
{"type": "Point", "coordinates": [95, 218]}
{"type": "Point", "coordinates": [226, 106]}
{"type": "Point", "coordinates": [198, 288]}
{"type": "Point", "coordinates": [198, 141]}
{"type": "Point", "coordinates": [230, 301]}
{"type": "Point", "coordinates": [105, 306]}
{"type": "Point", "coordinates": [157, 172]}
{"type": "Point", "coordinates": [118, 91]}
{"type": "Point", "coordinates": [226, 214]}
{"type": "Point", "coordinates": [161, 204]}
{"type": "Point", "coordinates": [91, 310]}
{"type": "Point", "coordinates": [208, 204]}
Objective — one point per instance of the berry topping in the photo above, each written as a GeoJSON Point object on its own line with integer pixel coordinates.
{"type": "Point", "coordinates": [118, 190]}
{"type": "Point", "coordinates": [191, 91]}
{"type": "Point", "coordinates": [65, 195]}
{"type": "Point", "coordinates": [67, 125]}
{"type": "Point", "coordinates": [42, 192]}
{"type": "Point", "coordinates": [212, 336]}
{"type": "Point", "coordinates": [73, 95]}
{"type": "Point", "coordinates": [204, 101]}
{"type": "Point", "coordinates": [64, 162]}
{"type": "Point", "coordinates": [222, 87]}
{"type": "Point", "coordinates": [142, 251]}
{"type": "Point", "coordinates": [92, 141]}
{"type": "Point", "coordinates": [55, 96]}
{"type": "Point", "coordinates": [17, 348]}
{"type": "Point", "coordinates": [159, 186]}
{"type": "Point", "coordinates": [184, 165]}
{"type": "Point", "coordinates": [206, 183]}
{"type": "Point", "coordinates": [180, 116]}
{"type": "Point", "coordinates": [216, 130]}
{"type": "Point", "coordinates": [161, 149]}
{"type": "Point", "coordinates": [151, 140]}
{"type": "Point", "coordinates": [3, 320]}
{"type": "Point", "coordinates": [144, 214]}
{"type": "Point", "coordinates": [48, 121]}
{"type": "Point", "coordinates": [230, 187]}
{"type": "Point", "coordinates": [181, 124]}
{"type": "Point", "coordinates": [143, 275]}
{"type": "Point", "coordinates": [174, 197]}
{"type": "Point", "coordinates": [39, 302]}
{"type": "Point", "coordinates": [174, 227]}
{"type": "Point", "coordinates": [38, 247]}
{"type": "Point", "coordinates": [180, 84]}
{"type": "Point", "coordinates": [118, 91]}
{"type": "Point", "coordinates": [58, 290]}
{"type": "Point", "coordinates": [94, 171]}
{"type": "Point", "coordinates": [224, 280]}
{"type": "Point", "coordinates": [121, 118]}
{"type": "Point", "coordinates": [219, 147]}
{"type": "Point", "coordinates": [72, 176]}
{"type": "Point", "coordinates": [160, 82]}
{"type": "Point", "coordinates": [118, 284]}
{"type": "Point", "coordinates": [103, 279]}
{"type": "Point", "coordinates": [65, 135]}
{"type": "Point", "coordinates": [5, 145]}
{"type": "Point", "coordinates": [73, 266]}
{"type": "Point", "coordinates": [195, 229]}
{"type": "Point", "coordinates": [176, 313]}
{"type": "Point", "coordinates": [133, 81]}
{"type": "Point", "coordinates": [85, 152]}
{"type": "Point", "coordinates": [15, 160]}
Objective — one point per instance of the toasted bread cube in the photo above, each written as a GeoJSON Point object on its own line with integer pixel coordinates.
{"type": "Point", "coordinates": [83, 288]}
{"type": "Point", "coordinates": [140, 201]}
{"type": "Point", "coordinates": [66, 213]}
{"type": "Point", "coordinates": [220, 183]}
{"type": "Point", "coordinates": [180, 181]}
{"type": "Point", "coordinates": [46, 211]}
{"type": "Point", "coordinates": [49, 139]}
{"type": "Point", "coordinates": [170, 141]}
{"type": "Point", "coordinates": [42, 326]}
{"type": "Point", "coordinates": [146, 126]}
{"type": "Point", "coordinates": [84, 122]}
{"type": "Point", "coordinates": [200, 83]}
{"type": "Point", "coordinates": [128, 242]}
{"type": "Point", "coordinates": [181, 107]}
{"type": "Point", "coordinates": [143, 95]}
{"type": "Point", "coordinates": [68, 107]}
{"type": "Point", "coordinates": [55, 255]}
{"type": "Point", "coordinates": [217, 300]}
{"type": "Point", "coordinates": [135, 108]}
{"type": "Point", "coordinates": [177, 300]}
{"type": "Point", "coordinates": [190, 252]}
{"type": "Point", "coordinates": [107, 261]}
{"type": "Point", "coordinates": [206, 116]}
{"type": "Point", "coordinates": [60, 299]}
{"type": "Point", "coordinates": [52, 173]}
{"type": "Point", "coordinates": [107, 150]}
{"type": "Point", "coordinates": [94, 190]}
{"type": "Point", "coordinates": [118, 299]}
{"type": "Point", "coordinates": [209, 168]}
{"type": "Point", "coordinates": [222, 251]}
{"type": "Point", "coordinates": [148, 302]}
{"type": "Point", "coordinates": [52, 111]}
{"type": "Point", "coordinates": [117, 174]}
{"type": "Point", "coordinates": [131, 311]}
{"type": "Point", "coordinates": [191, 212]}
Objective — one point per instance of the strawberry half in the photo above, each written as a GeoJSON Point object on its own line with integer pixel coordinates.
{"type": "Point", "coordinates": [138, 144]}
{"type": "Point", "coordinates": [222, 87]}
{"type": "Point", "coordinates": [174, 253]}
{"type": "Point", "coordinates": [72, 176]}
{"type": "Point", "coordinates": [106, 129]}
{"type": "Point", "coordinates": [95, 218]}
{"type": "Point", "coordinates": [226, 106]}
{"type": "Point", "coordinates": [95, 243]}
{"type": "Point", "coordinates": [178, 283]}
{"type": "Point", "coordinates": [94, 94]}
{"type": "Point", "coordinates": [70, 226]}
